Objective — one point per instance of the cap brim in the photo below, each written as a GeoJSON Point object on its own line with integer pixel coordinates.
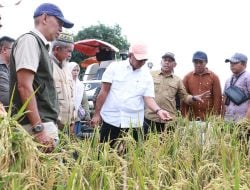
{"type": "Point", "coordinates": [66, 23]}
{"type": "Point", "coordinates": [141, 56]}
{"type": "Point", "coordinates": [198, 59]}
{"type": "Point", "coordinates": [164, 56]}
{"type": "Point", "coordinates": [232, 60]}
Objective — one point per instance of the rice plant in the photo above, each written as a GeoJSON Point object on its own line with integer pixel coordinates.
{"type": "Point", "coordinates": [214, 155]}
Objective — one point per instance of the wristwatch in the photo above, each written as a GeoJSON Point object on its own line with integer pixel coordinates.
{"type": "Point", "coordinates": [37, 129]}
{"type": "Point", "coordinates": [194, 98]}
{"type": "Point", "coordinates": [157, 110]}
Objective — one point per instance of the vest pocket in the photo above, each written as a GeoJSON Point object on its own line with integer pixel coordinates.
{"type": "Point", "coordinates": [59, 92]}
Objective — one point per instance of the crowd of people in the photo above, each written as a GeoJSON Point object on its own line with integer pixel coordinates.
{"type": "Point", "coordinates": [130, 96]}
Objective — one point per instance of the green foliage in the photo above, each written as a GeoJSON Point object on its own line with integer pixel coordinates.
{"type": "Point", "coordinates": [110, 34]}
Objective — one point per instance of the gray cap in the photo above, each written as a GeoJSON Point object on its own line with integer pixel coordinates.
{"type": "Point", "coordinates": [169, 54]}
{"type": "Point", "coordinates": [237, 57]}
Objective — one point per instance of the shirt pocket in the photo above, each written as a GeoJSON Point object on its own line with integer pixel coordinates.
{"type": "Point", "coordinates": [118, 83]}
{"type": "Point", "coordinates": [59, 91]}
{"type": "Point", "coordinates": [140, 88]}
{"type": "Point", "coordinates": [170, 91]}
{"type": "Point", "coordinates": [157, 85]}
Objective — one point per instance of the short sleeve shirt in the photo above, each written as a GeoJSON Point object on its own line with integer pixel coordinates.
{"type": "Point", "coordinates": [124, 105]}
{"type": "Point", "coordinates": [26, 44]}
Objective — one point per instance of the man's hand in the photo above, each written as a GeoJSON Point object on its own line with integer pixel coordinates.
{"type": "Point", "coordinates": [95, 120]}
{"type": "Point", "coordinates": [202, 96]}
{"type": "Point", "coordinates": [3, 113]}
{"type": "Point", "coordinates": [44, 139]}
{"type": "Point", "coordinates": [164, 115]}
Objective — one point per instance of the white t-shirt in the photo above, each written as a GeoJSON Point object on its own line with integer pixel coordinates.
{"type": "Point", "coordinates": [124, 106]}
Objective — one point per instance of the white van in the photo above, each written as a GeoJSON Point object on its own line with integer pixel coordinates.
{"type": "Point", "coordinates": [92, 79]}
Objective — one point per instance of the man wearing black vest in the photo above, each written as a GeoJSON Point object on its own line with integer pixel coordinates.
{"type": "Point", "coordinates": [31, 72]}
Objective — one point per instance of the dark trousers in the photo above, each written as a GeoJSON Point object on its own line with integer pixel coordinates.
{"type": "Point", "coordinates": [109, 133]}
{"type": "Point", "coordinates": [153, 126]}
{"type": "Point", "coordinates": [156, 127]}
{"type": "Point", "coordinates": [78, 127]}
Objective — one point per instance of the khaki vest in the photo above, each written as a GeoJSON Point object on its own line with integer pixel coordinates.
{"type": "Point", "coordinates": [64, 88]}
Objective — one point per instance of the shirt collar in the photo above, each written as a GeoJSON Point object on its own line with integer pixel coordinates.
{"type": "Point", "coordinates": [55, 60]}
{"type": "Point", "coordinates": [46, 42]}
{"type": "Point", "coordinates": [206, 72]}
{"type": "Point", "coordinates": [128, 66]}
{"type": "Point", "coordinates": [165, 75]}
{"type": "Point", "coordinates": [236, 76]}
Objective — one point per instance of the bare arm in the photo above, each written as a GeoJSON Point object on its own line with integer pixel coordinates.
{"type": "Point", "coordinates": [3, 113]}
{"type": "Point", "coordinates": [25, 79]}
{"type": "Point", "coordinates": [99, 102]}
{"type": "Point", "coordinates": [151, 104]}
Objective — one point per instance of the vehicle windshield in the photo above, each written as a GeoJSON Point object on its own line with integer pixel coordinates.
{"type": "Point", "coordinates": [99, 73]}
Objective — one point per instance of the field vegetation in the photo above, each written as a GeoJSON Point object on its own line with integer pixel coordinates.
{"type": "Point", "coordinates": [210, 156]}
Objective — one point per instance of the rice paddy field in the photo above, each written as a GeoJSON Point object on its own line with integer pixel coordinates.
{"type": "Point", "coordinates": [214, 155]}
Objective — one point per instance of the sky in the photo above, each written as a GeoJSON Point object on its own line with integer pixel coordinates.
{"type": "Point", "coordinates": [217, 27]}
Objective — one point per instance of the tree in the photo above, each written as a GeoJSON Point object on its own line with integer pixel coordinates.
{"type": "Point", "coordinates": [110, 34]}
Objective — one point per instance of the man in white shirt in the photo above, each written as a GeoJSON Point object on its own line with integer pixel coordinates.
{"type": "Point", "coordinates": [126, 87]}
